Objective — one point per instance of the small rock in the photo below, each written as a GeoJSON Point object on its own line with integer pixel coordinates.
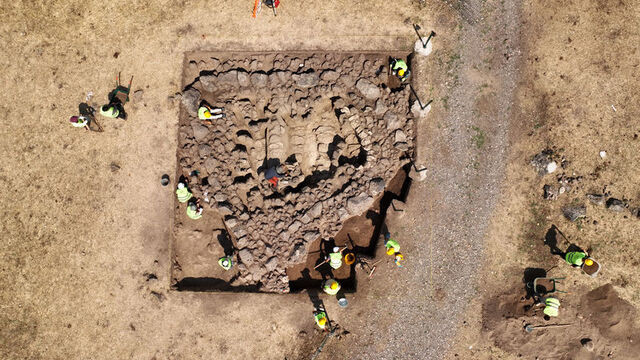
{"type": "Point", "coordinates": [603, 154]}
{"type": "Point", "coordinates": [392, 120]}
{"type": "Point", "coordinates": [295, 226]}
{"type": "Point", "coordinates": [574, 213]}
{"type": "Point", "coordinates": [550, 193]}
{"type": "Point", "coordinates": [114, 167]}
{"type": "Point", "coordinates": [220, 197]}
{"type": "Point", "coordinates": [636, 212]}
{"type": "Point", "coordinates": [420, 49]}
{"type": "Point", "coordinates": [376, 186]}
{"type": "Point", "coordinates": [357, 205]}
{"type": "Point", "coordinates": [330, 75]}
{"type": "Point", "coordinates": [596, 199]}
{"type": "Point", "coordinates": [191, 100]}
{"type": "Point", "coordinates": [224, 209]}
{"type": "Point", "coordinates": [204, 150]}
{"type": "Point", "coordinates": [368, 89]}
{"type": "Point", "coordinates": [400, 136]}
{"type": "Point", "coordinates": [615, 205]}
{"type": "Point", "coordinates": [551, 167]}
{"type": "Point", "coordinates": [316, 210]}
{"type": "Point", "coordinates": [199, 131]}
{"type": "Point", "coordinates": [271, 264]}
{"type": "Point", "coordinates": [245, 256]}
{"type": "Point", "coordinates": [306, 80]}
{"type": "Point", "coordinates": [243, 79]}
{"type": "Point", "coordinates": [587, 344]}
{"type": "Point", "coordinates": [310, 236]}
{"type": "Point", "coordinates": [542, 161]}
{"type": "Point", "coordinates": [259, 79]}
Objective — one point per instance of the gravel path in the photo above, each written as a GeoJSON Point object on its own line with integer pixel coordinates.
{"type": "Point", "coordinates": [417, 313]}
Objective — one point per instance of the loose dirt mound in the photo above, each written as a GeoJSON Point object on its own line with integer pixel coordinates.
{"type": "Point", "coordinates": [600, 319]}
{"type": "Point", "coordinates": [332, 119]}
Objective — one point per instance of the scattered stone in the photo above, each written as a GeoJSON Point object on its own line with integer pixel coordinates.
{"type": "Point", "coordinates": [392, 121]}
{"type": "Point", "coordinates": [271, 264]}
{"type": "Point", "coordinates": [114, 167]}
{"type": "Point", "coordinates": [574, 213]}
{"type": "Point", "coordinates": [259, 79]}
{"type": "Point", "coordinates": [596, 199]}
{"type": "Point", "coordinates": [636, 212]}
{"type": "Point", "coordinates": [316, 210]}
{"type": "Point", "coordinates": [330, 75]}
{"type": "Point", "coordinates": [137, 95]}
{"type": "Point", "coordinates": [550, 193]}
{"type": "Point", "coordinates": [616, 205]}
{"type": "Point", "coordinates": [544, 163]}
{"type": "Point", "coordinates": [603, 154]}
{"type": "Point", "coordinates": [368, 89]}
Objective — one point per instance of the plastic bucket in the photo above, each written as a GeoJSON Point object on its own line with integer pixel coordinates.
{"type": "Point", "coordinates": [349, 258]}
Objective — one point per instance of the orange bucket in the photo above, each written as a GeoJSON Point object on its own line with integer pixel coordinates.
{"type": "Point", "coordinates": [349, 258]}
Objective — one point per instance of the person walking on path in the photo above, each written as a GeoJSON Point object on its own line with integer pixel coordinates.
{"type": "Point", "coordinates": [194, 210]}
{"type": "Point", "coordinates": [331, 287]}
{"type": "Point", "coordinates": [400, 69]}
{"type": "Point", "coordinates": [183, 192]}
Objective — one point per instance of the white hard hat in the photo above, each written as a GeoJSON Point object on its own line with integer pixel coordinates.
{"type": "Point", "coordinates": [336, 249]}
{"type": "Point", "coordinates": [180, 185]}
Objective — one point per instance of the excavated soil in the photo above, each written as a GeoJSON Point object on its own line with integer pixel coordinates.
{"type": "Point", "coordinates": [340, 123]}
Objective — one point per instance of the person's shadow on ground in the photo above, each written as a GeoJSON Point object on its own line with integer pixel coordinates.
{"type": "Point", "coordinates": [225, 241]}
{"type": "Point", "coordinates": [551, 240]}
{"type": "Point", "coordinates": [311, 291]}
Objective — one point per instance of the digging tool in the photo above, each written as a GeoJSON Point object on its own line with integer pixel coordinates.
{"type": "Point", "coordinates": [416, 27]}
{"type": "Point", "coordinates": [529, 328]}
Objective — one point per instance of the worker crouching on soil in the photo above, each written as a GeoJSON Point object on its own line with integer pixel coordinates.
{"type": "Point", "coordinates": [331, 287]}
{"type": "Point", "coordinates": [183, 192]}
{"type": "Point", "coordinates": [226, 262]}
{"type": "Point", "coordinates": [575, 258]}
{"type": "Point", "coordinates": [79, 122]}
{"type": "Point", "coordinates": [400, 69]}
{"type": "Point", "coordinates": [551, 306]}
{"type": "Point", "coordinates": [335, 258]}
{"type": "Point", "coordinates": [194, 210]}
{"type": "Point", "coordinates": [321, 319]}
{"type": "Point", "coordinates": [391, 245]}
{"type": "Point", "coordinates": [274, 174]}
{"type": "Point", "coordinates": [208, 113]}
{"type": "Point", "coordinates": [113, 109]}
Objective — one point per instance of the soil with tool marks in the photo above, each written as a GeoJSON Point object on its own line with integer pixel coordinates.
{"type": "Point", "coordinates": [600, 325]}
{"type": "Point", "coordinates": [339, 123]}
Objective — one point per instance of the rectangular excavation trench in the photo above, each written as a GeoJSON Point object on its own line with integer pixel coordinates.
{"type": "Point", "coordinates": [342, 125]}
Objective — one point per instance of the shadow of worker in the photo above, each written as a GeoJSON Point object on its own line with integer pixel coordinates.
{"type": "Point", "coordinates": [551, 240]}
{"type": "Point", "coordinates": [225, 241]}
{"type": "Point", "coordinates": [311, 290]}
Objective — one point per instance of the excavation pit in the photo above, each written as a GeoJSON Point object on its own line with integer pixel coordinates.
{"type": "Point", "coordinates": [341, 126]}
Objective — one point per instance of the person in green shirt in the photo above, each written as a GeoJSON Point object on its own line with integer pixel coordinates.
{"type": "Point", "coordinates": [194, 210]}
{"type": "Point", "coordinates": [400, 69]}
{"type": "Point", "coordinates": [321, 319]}
{"type": "Point", "coordinates": [391, 245]}
{"type": "Point", "coordinates": [183, 192]}
{"type": "Point", "coordinates": [575, 258]}
{"type": "Point", "coordinates": [226, 262]}
{"type": "Point", "coordinates": [551, 306]}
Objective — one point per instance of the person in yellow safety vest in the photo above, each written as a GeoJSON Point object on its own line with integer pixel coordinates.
{"type": "Point", "coordinates": [575, 258]}
{"type": "Point", "coordinates": [194, 211]}
{"type": "Point", "coordinates": [226, 262]}
{"type": "Point", "coordinates": [109, 111]}
{"type": "Point", "coordinates": [398, 259]}
{"type": "Point", "coordinates": [391, 245]}
{"type": "Point", "coordinates": [331, 287]}
{"type": "Point", "coordinates": [79, 122]}
{"type": "Point", "coordinates": [321, 319]}
{"type": "Point", "coordinates": [207, 113]}
{"type": "Point", "coordinates": [551, 306]}
{"type": "Point", "coordinates": [183, 193]}
{"type": "Point", "coordinates": [335, 258]}
{"type": "Point", "coordinates": [400, 69]}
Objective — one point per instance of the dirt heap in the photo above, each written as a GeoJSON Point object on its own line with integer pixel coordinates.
{"type": "Point", "coordinates": [339, 122]}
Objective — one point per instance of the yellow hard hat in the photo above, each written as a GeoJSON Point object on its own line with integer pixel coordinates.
{"type": "Point", "coordinates": [322, 321]}
{"type": "Point", "coordinates": [334, 285]}
{"type": "Point", "coordinates": [401, 72]}
{"type": "Point", "coordinates": [391, 251]}
{"type": "Point", "coordinates": [588, 262]}
{"type": "Point", "coordinates": [207, 114]}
